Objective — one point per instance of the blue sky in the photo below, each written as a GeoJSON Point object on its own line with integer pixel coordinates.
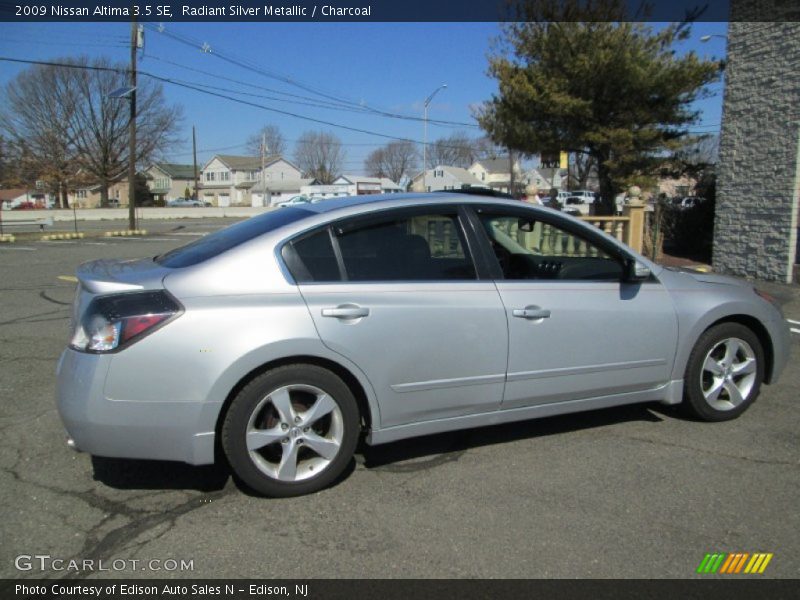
{"type": "Point", "coordinates": [388, 66]}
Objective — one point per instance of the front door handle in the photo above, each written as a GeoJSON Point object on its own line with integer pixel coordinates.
{"type": "Point", "coordinates": [531, 312]}
{"type": "Point", "coordinates": [346, 311]}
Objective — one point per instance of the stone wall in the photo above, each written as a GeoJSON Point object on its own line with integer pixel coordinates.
{"type": "Point", "coordinates": [755, 232]}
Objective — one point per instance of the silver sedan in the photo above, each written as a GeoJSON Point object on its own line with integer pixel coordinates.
{"type": "Point", "coordinates": [284, 338]}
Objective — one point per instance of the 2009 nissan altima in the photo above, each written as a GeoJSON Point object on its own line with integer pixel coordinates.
{"type": "Point", "coordinates": [283, 338]}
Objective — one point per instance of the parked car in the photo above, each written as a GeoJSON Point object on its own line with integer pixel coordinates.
{"type": "Point", "coordinates": [184, 202]}
{"type": "Point", "coordinates": [585, 196]}
{"type": "Point", "coordinates": [576, 206]}
{"type": "Point", "coordinates": [686, 202]}
{"type": "Point", "coordinates": [283, 338]}
{"type": "Point", "coordinates": [294, 201]}
{"type": "Point", "coordinates": [25, 205]}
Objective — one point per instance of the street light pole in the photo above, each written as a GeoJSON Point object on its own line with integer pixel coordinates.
{"type": "Point", "coordinates": [425, 135]}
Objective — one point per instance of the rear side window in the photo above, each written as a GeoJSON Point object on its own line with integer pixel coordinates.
{"type": "Point", "coordinates": [223, 240]}
{"type": "Point", "coordinates": [311, 259]}
{"type": "Point", "coordinates": [417, 247]}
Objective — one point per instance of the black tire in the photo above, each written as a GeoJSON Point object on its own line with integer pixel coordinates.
{"type": "Point", "coordinates": [255, 411]}
{"type": "Point", "coordinates": [713, 344]}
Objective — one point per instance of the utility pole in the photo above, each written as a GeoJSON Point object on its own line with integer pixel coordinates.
{"type": "Point", "coordinates": [261, 175]}
{"type": "Point", "coordinates": [132, 132]}
{"type": "Point", "coordinates": [195, 193]}
{"type": "Point", "coordinates": [511, 182]}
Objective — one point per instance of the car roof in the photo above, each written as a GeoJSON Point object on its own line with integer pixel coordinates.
{"type": "Point", "coordinates": [376, 200]}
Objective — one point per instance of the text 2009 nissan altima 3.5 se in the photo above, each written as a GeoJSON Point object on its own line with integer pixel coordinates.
{"type": "Point", "coordinates": [283, 338]}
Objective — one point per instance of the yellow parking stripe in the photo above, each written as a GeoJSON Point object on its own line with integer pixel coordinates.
{"type": "Point", "coordinates": [71, 278]}
{"type": "Point", "coordinates": [754, 562]}
{"type": "Point", "coordinates": [765, 563]}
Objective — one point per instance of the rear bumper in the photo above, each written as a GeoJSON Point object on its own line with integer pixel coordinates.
{"type": "Point", "coordinates": [102, 426]}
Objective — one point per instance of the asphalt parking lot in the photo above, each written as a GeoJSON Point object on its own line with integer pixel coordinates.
{"type": "Point", "coordinates": [633, 492]}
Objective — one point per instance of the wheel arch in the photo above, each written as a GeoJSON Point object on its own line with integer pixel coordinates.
{"type": "Point", "coordinates": [754, 325]}
{"type": "Point", "coordinates": [351, 381]}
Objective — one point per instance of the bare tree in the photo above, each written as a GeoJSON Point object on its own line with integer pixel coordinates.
{"type": "Point", "coordinates": [456, 150]}
{"type": "Point", "coordinates": [276, 143]}
{"type": "Point", "coordinates": [35, 122]}
{"type": "Point", "coordinates": [98, 124]}
{"type": "Point", "coordinates": [395, 160]}
{"type": "Point", "coordinates": [581, 169]}
{"type": "Point", "coordinates": [485, 148]}
{"type": "Point", "coordinates": [319, 155]}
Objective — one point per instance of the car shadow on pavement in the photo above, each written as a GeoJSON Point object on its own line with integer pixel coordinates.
{"type": "Point", "coordinates": [414, 454]}
{"type": "Point", "coordinates": [131, 474]}
{"type": "Point", "coordinates": [437, 448]}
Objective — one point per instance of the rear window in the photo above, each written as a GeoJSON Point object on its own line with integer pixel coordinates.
{"type": "Point", "coordinates": [223, 240]}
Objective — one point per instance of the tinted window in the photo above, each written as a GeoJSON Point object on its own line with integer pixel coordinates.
{"type": "Point", "coordinates": [411, 248]}
{"type": "Point", "coordinates": [223, 240]}
{"type": "Point", "coordinates": [530, 249]}
{"type": "Point", "coordinates": [311, 259]}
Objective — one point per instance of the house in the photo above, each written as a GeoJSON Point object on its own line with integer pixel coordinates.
{"type": "Point", "coordinates": [167, 181]}
{"type": "Point", "coordinates": [270, 193]}
{"type": "Point", "coordinates": [227, 180]}
{"type": "Point", "coordinates": [544, 179]}
{"type": "Point", "coordinates": [495, 173]}
{"type": "Point", "coordinates": [14, 197]}
{"type": "Point", "coordinates": [444, 178]}
{"type": "Point", "coordinates": [352, 185]}
{"type": "Point", "coordinates": [88, 196]}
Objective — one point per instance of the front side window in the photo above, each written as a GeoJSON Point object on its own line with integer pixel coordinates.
{"type": "Point", "coordinates": [527, 249]}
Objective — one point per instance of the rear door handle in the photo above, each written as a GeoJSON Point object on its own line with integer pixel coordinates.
{"type": "Point", "coordinates": [346, 311]}
{"type": "Point", "coordinates": [531, 312]}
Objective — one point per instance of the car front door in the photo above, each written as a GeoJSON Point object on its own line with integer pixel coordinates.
{"type": "Point", "coordinates": [577, 330]}
{"type": "Point", "coordinates": [398, 294]}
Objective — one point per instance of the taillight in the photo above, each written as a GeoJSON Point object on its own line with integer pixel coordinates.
{"type": "Point", "coordinates": [113, 322]}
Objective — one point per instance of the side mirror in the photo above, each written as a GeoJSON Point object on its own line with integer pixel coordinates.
{"type": "Point", "coordinates": [636, 271]}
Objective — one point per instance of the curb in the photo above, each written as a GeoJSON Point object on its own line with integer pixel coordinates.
{"type": "Point", "coordinates": [62, 236]}
{"type": "Point", "coordinates": [126, 233]}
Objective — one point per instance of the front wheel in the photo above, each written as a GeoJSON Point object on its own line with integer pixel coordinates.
{"type": "Point", "coordinates": [291, 430]}
{"type": "Point", "coordinates": [724, 373]}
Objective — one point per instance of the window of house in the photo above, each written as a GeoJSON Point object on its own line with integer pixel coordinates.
{"type": "Point", "coordinates": [224, 175]}
{"type": "Point", "coordinates": [530, 249]}
{"type": "Point", "coordinates": [210, 176]}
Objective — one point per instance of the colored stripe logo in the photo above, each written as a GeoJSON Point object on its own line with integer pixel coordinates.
{"type": "Point", "coordinates": [734, 563]}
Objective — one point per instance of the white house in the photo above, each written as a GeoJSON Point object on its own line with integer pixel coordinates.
{"type": "Point", "coordinates": [544, 179]}
{"type": "Point", "coordinates": [227, 180]}
{"type": "Point", "coordinates": [352, 185]}
{"type": "Point", "coordinates": [443, 177]}
{"type": "Point", "coordinates": [167, 181]}
{"type": "Point", "coordinates": [495, 173]}
{"type": "Point", "coordinates": [270, 193]}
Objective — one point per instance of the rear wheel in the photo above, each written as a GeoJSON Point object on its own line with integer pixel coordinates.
{"type": "Point", "coordinates": [291, 430]}
{"type": "Point", "coordinates": [724, 373]}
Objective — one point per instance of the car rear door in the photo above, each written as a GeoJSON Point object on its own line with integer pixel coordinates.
{"type": "Point", "coordinates": [576, 329]}
{"type": "Point", "coordinates": [398, 294]}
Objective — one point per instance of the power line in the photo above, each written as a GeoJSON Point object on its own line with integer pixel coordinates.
{"type": "Point", "coordinates": [242, 63]}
